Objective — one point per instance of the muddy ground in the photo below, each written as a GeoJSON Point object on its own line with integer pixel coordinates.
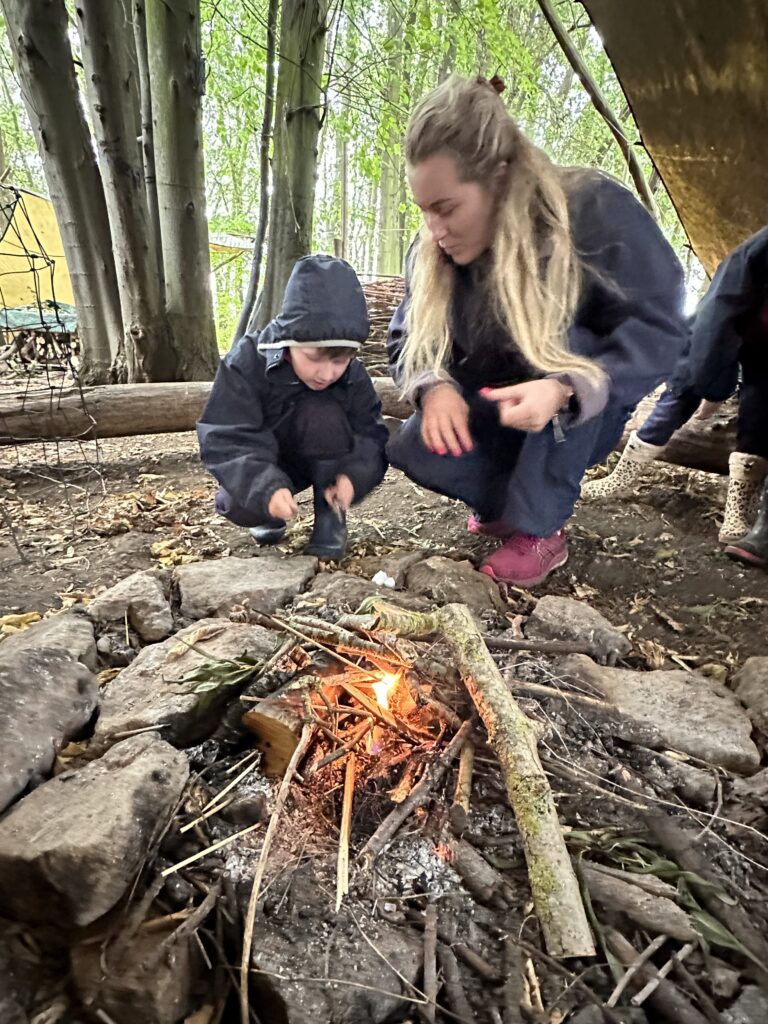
{"type": "Point", "coordinates": [85, 515]}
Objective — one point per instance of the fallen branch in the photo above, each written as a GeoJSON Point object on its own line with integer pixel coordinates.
{"type": "Point", "coordinates": [459, 810]}
{"type": "Point", "coordinates": [250, 917]}
{"type": "Point", "coordinates": [430, 963]}
{"type": "Point", "coordinates": [454, 989]}
{"type": "Point", "coordinates": [513, 738]}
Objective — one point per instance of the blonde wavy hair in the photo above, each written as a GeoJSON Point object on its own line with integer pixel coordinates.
{"type": "Point", "coordinates": [535, 273]}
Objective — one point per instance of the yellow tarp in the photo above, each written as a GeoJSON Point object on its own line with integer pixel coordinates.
{"type": "Point", "coordinates": [32, 265]}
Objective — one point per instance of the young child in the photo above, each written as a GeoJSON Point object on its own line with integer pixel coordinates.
{"type": "Point", "coordinates": [293, 408]}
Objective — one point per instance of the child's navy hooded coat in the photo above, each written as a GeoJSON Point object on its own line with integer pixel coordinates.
{"type": "Point", "coordinates": [255, 391]}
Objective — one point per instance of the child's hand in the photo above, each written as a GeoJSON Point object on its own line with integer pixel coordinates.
{"type": "Point", "coordinates": [282, 505]}
{"type": "Point", "coordinates": [529, 406]}
{"type": "Point", "coordinates": [341, 493]}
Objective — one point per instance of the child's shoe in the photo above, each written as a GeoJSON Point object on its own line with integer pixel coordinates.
{"type": "Point", "coordinates": [329, 534]}
{"type": "Point", "coordinates": [268, 533]}
{"type": "Point", "coordinates": [525, 560]}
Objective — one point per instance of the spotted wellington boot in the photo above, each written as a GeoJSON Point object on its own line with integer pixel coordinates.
{"type": "Point", "coordinates": [746, 474]}
{"type": "Point", "coordinates": [627, 473]}
{"type": "Point", "coordinates": [753, 548]}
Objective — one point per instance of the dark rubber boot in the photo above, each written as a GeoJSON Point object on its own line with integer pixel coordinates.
{"type": "Point", "coordinates": [329, 534]}
{"type": "Point", "coordinates": [268, 533]}
{"type": "Point", "coordinates": [753, 548]}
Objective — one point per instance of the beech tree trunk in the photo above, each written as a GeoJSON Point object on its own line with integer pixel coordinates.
{"type": "Point", "coordinates": [37, 30]}
{"type": "Point", "coordinates": [111, 73]}
{"type": "Point", "coordinates": [388, 261]}
{"type": "Point", "coordinates": [176, 80]}
{"type": "Point", "coordinates": [299, 108]}
{"type": "Point", "coordinates": [264, 145]}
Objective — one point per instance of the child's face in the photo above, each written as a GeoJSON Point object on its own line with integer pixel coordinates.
{"type": "Point", "coordinates": [313, 367]}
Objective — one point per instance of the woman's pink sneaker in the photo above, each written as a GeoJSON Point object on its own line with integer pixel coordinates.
{"type": "Point", "coordinates": [498, 528]}
{"type": "Point", "coordinates": [524, 560]}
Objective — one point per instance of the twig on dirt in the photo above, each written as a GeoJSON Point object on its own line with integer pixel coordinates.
{"type": "Point", "coordinates": [666, 998]}
{"type": "Point", "coordinates": [420, 698]}
{"type": "Point", "coordinates": [207, 814]}
{"type": "Point", "coordinates": [357, 735]}
{"type": "Point", "coordinates": [716, 812]}
{"type": "Point", "coordinates": [193, 921]}
{"type": "Point", "coordinates": [430, 963]}
{"type": "Point", "coordinates": [534, 989]}
{"type": "Point", "coordinates": [513, 984]}
{"type": "Point", "coordinates": [499, 643]}
{"type": "Point", "coordinates": [216, 800]}
{"type": "Point", "coordinates": [662, 972]}
{"type": "Point", "coordinates": [459, 810]}
{"type": "Point", "coordinates": [138, 732]}
{"type": "Point", "coordinates": [209, 849]}
{"type": "Point", "coordinates": [465, 953]}
{"type": "Point", "coordinates": [250, 918]}
{"type": "Point", "coordinates": [555, 693]}
{"type": "Point", "coordinates": [342, 865]}
{"type": "Point", "coordinates": [634, 967]}
{"type": "Point", "coordinates": [453, 986]}
{"type": "Point", "coordinates": [418, 795]}
{"type": "Point", "coordinates": [608, 1013]}
{"type": "Point", "coordinates": [237, 764]}
{"type": "Point", "coordinates": [708, 1008]}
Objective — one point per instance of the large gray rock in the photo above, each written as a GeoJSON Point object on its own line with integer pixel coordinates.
{"type": "Point", "coordinates": [677, 710]}
{"type": "Point", "coordinates": [46, 698]}
{"type": "Point", "coordinates": [750, 684]}
{"type": "Point", "coordinates": [70, 849]}
{"type": "Point", "coordinates": [447, 581]}
{"type": "Point", "coordinates": [266, 582]}
{"type": "Point", "coordinates": [562, 618]}
{"type": "Point", "coordinates": [150, 979]}
{"type": "Point", "coordinates": [151, 690]}
{"type": "Point", "coordinates": [345, 593]}
{"type": "Point", "coordinates": [750, 1008]}
{"type": "Point", "coordinates": [142, 597]}
{"type": "Point", "coordinates": [70, 631]}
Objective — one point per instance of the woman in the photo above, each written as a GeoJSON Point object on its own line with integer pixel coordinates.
{"type": "Point", "coordinates": [542, 304]}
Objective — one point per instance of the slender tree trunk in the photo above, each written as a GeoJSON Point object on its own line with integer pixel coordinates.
{"type": "Point", "coordinates": [389, 194]}
{"type": "Point", "coordinates": [17, 138]}
{"type": "Point", "coordinates": [176, 80]}
{"type": "Point", "coordinates": [37, 30]}
{"type": "Point", "coordinates": [148, 141]}
{"type": "Point", "coordinates": [111, 77]}
{"type": "Point", "coordinates": [3, 167]}
{"type": "Point", "coordinates": [299, 109]}
{"type": "Point", "coordinates": [266, 137]}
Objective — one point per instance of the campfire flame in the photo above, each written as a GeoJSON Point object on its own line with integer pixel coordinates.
{"type": "Point", "coordinates": [383, 688]}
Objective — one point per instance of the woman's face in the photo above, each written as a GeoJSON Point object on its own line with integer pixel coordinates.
{"type": "Point", "coordinates": [459, 214]}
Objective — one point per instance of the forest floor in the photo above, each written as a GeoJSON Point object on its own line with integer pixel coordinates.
{"type": "Point", "coordinates": [84, 516]}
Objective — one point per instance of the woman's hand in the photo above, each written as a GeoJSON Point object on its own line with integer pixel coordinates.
{"type": "Point", "coordinates": [529, 406]}
{"type": "Point", "coordinates": [445, 421]}
{"type": "Point", "coordinates": [282, 505]}
{"type": "Point", "coordinates": [340, 494]}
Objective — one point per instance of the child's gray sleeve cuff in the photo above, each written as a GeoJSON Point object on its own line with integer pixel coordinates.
{"type": "Point", "coordinates": [590, 396]}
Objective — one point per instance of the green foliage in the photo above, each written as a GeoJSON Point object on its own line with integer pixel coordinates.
{"type": "Point", "coordinates": [382, 55]}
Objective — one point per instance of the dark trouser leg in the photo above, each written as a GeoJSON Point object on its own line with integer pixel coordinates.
{"type": "Point", "coordinates": [752, 426]}
{"type": "Point", "coordinates": [480, 477]}
{"type": "Point", "coordinates": [320, 436]}
{"type": "Point", "coordinates": [671, 411]}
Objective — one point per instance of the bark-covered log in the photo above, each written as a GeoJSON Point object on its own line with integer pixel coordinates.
{"type": "Point", "coordinates": [123, 410]}
{"type": "Point", "coordinates": [700, 444]}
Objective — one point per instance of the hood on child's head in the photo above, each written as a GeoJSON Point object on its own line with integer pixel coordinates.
{"type": "Point", "coordinates": [323, 306]}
